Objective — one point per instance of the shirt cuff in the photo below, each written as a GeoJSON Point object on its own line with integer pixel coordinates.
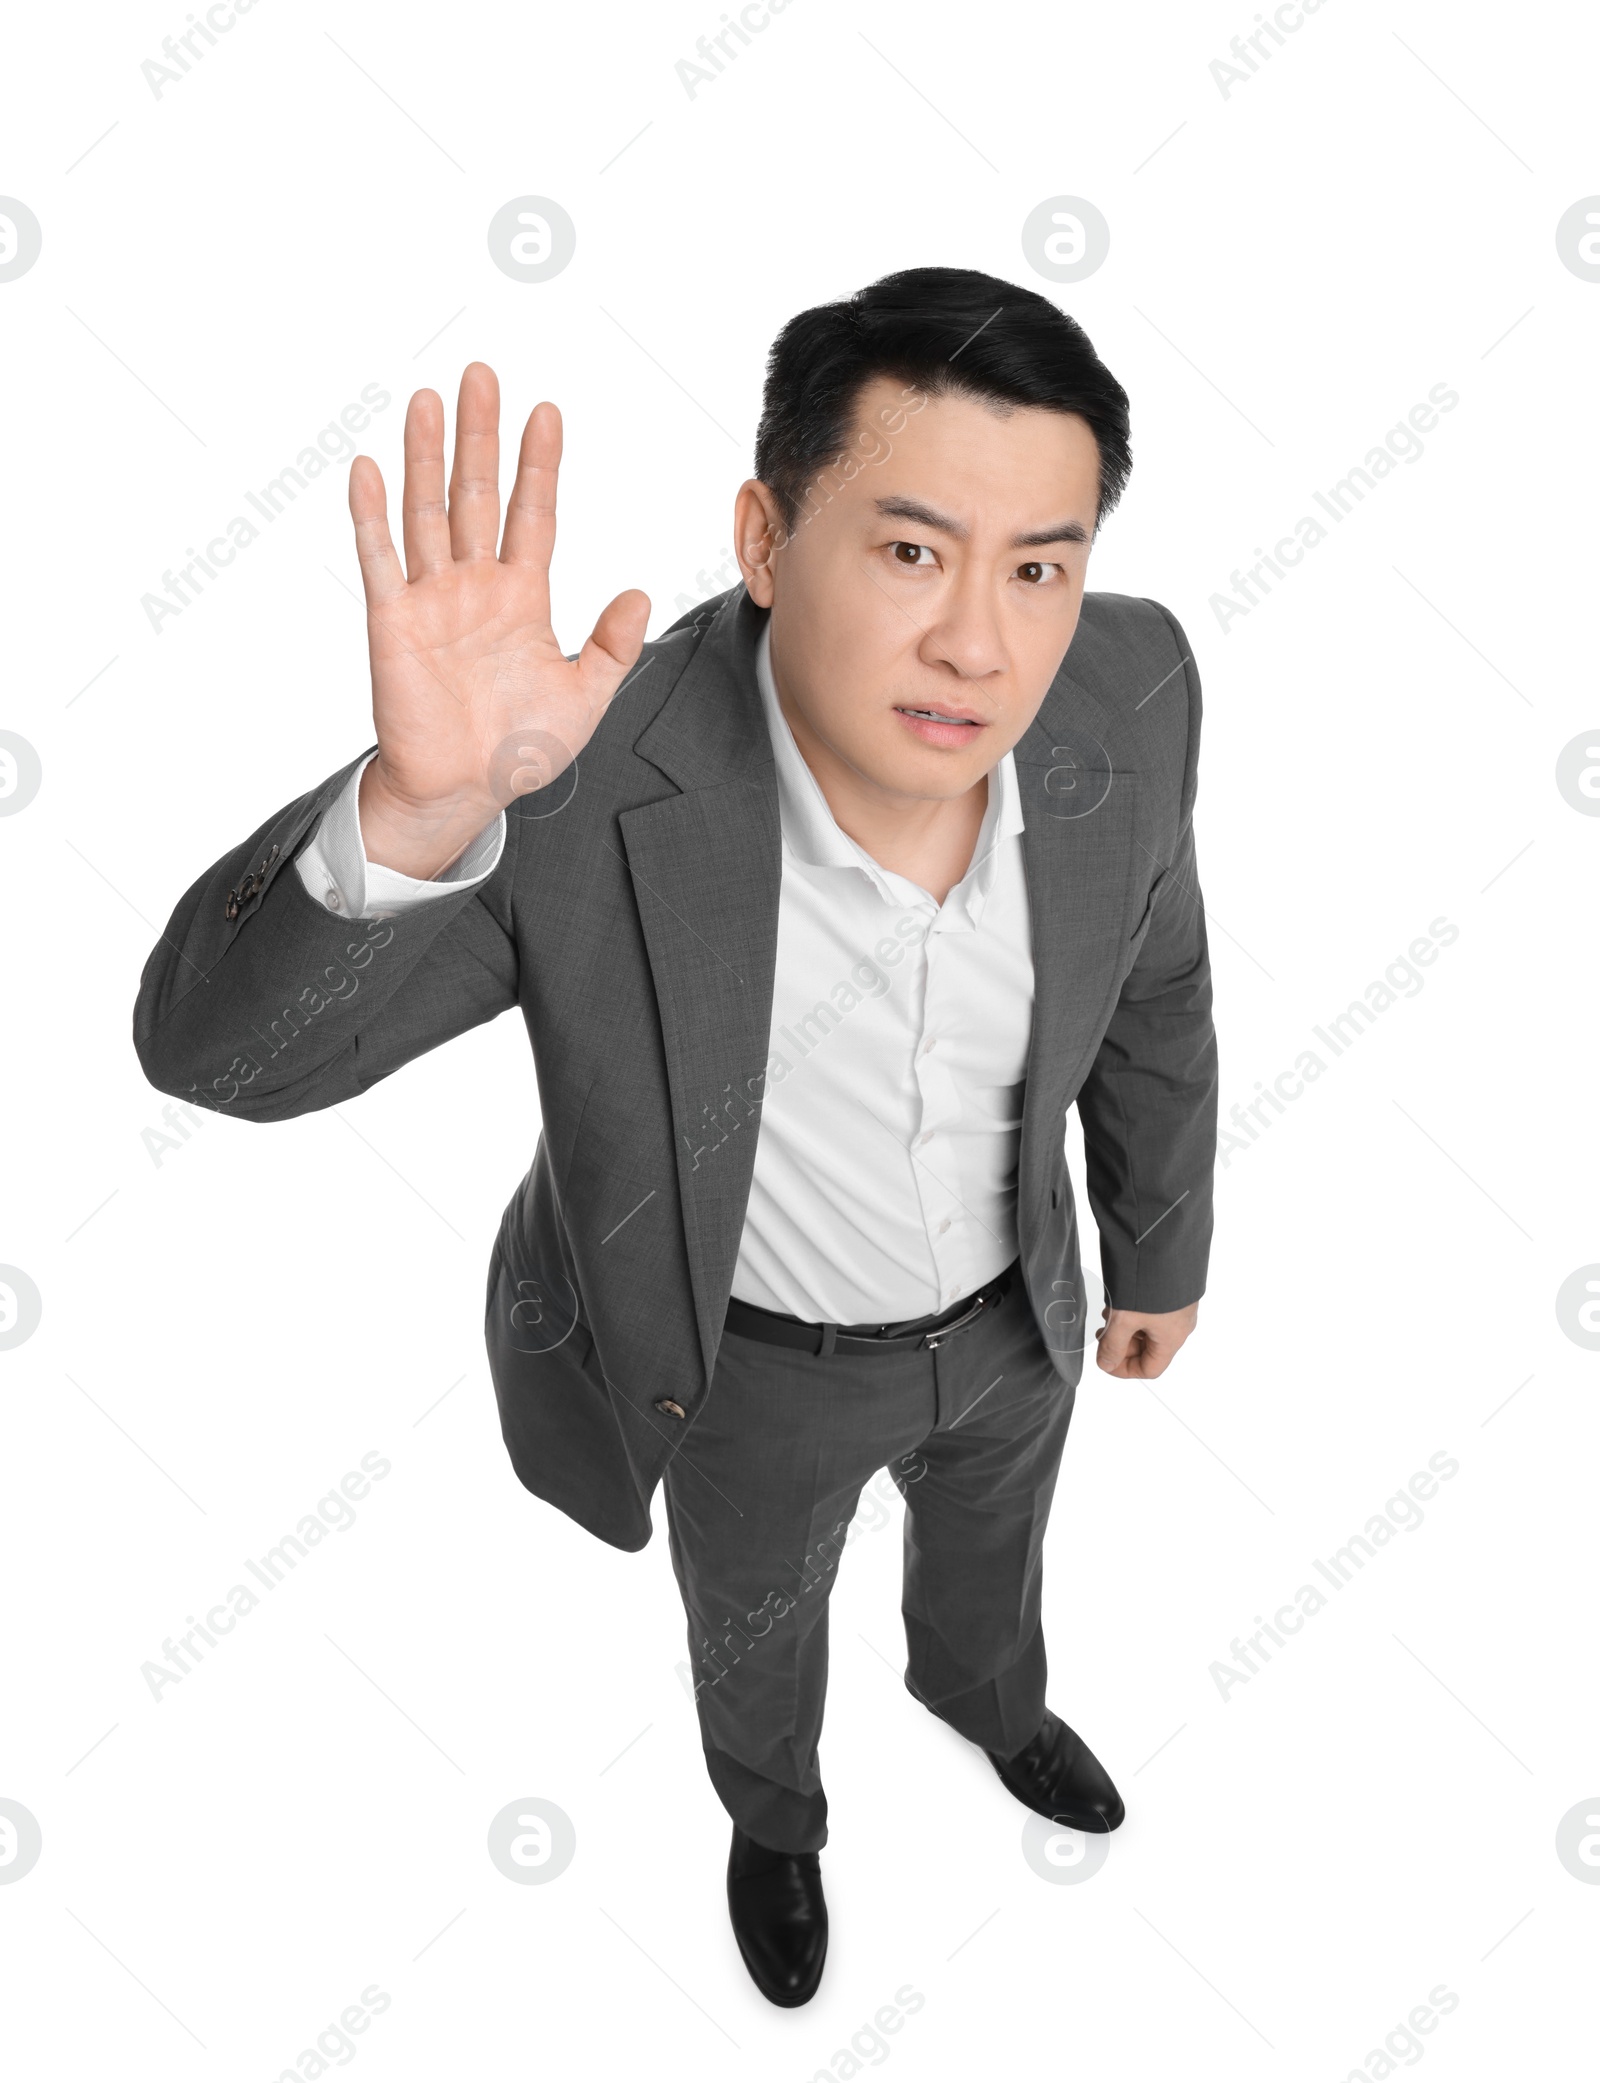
{"type": "Point", "coordinates": [336, 872]}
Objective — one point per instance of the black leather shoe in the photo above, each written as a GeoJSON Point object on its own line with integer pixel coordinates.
{"type": "Point", "coordinates": [779, 1918]}
{"type": "Point", "coordinates": [1058, 1775]}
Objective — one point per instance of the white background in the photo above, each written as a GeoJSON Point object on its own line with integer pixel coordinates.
{"type": "Point", "coordinates": [226, 1331]}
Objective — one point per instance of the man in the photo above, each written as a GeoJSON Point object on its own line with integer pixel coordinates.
{"type": "Point", "coordinates": [822, 910]}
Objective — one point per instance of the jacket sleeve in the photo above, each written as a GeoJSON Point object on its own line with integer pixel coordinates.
{"type": "Point", "coordinates": [1149, 1104]}
{"type": "Point", "coordinates": [259, 1002]}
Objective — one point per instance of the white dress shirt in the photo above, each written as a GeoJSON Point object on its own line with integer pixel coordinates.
{"type": "Point", "coordinates": [335, 869]}
{"type": "Point", "coordinates": [886, 1157]}
{"type": "Point", "coordinates": [886, 1161]}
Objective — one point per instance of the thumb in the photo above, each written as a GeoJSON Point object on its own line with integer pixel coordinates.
{"type": "Point", "coordinates": [1116, 1337]}
{"type": "Point", "coordinates": [613, 646]}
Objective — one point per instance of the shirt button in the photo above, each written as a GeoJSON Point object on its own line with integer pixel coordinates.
{"type": "Point", "coordinates": [944, 1225]}
{"type": "Point", "coordinates": [672, 1410]}
{"type": "Point", "coordinates": [334, 901]}
{"type": "Point", "coordinates": [928, 1044]}
{"type": "Point", "coordinates": [926, 1136]}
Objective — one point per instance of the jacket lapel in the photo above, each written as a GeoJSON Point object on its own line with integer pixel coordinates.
{"type": "Point", "coordinates": [706, 867]}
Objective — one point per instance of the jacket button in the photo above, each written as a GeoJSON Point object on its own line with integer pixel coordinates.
{"type": "Point", "coordinates": [672, 1410]}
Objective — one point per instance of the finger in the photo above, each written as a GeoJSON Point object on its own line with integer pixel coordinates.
{"type": "Point", "coordinates": [381, 574]}
{"type": "Point", "coordinates": [422, 511]}
{"type": "Point", "coordinates": [613, 647]}
{"type": "Point", "coordinates": [475, 473]}
{"type": "Point", "coordinates": [1160, 1348]}
{"type": "Point", "coordinates": [1114, 1339]}
{"type": "Point", "coordinates": [530, 536]}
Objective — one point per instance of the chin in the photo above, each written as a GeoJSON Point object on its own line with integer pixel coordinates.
{"type": "Point", "coordinates": [923, 770]}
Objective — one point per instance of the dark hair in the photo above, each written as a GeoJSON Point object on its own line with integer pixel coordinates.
{"type": "Point", "coordinates": [950, 331]}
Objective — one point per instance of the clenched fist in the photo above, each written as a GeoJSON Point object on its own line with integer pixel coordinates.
{"type": "Point", "coordinates": [1138, 1344]}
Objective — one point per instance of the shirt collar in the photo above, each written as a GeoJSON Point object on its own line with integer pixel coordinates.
{"type": "Point", "coordinates": [812, 835]}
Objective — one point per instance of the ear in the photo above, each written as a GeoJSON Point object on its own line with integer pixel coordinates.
{"type": "Point", "coordinates": [758, 534]}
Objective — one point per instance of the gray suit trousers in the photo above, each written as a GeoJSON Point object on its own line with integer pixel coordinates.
{"type": "Point", "coordinates": [759, 1501]}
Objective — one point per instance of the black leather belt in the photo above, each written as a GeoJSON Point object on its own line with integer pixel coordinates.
{"type": "Point", "coordinates": [918, 1334]}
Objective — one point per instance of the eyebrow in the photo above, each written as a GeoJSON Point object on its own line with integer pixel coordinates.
{"type": "Point", "coordinates": [1035, 538]}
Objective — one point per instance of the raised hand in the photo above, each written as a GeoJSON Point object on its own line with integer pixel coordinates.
{"type": "Point", "coordinates": [473, 701]}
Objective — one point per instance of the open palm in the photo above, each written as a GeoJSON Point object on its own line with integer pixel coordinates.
{"type": "Point", "coordinates": [473, 701]}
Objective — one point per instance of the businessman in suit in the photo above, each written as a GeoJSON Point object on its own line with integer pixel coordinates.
{"type": "Point", "coordinates": [822, 909]}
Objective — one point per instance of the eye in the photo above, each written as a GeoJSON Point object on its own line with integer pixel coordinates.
{"type": "Point", "coordinates": [1033, 574]}
{"type": "Point", "coordinates": [916, 549]}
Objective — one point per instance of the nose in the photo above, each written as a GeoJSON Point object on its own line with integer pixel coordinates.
{"type": "Point", "coordinates": [966, 634]}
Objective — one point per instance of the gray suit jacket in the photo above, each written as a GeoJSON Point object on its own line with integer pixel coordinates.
{"type": "Point", "coordinates": [633, 919]}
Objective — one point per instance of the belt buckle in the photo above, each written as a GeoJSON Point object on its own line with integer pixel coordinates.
{"type": "Point", "coordinates": [932, 1340]}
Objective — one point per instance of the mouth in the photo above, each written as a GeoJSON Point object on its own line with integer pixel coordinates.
{"type": "Point", "coordinates": [940, 726]}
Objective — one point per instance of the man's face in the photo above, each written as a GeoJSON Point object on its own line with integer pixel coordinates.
{"type": "Point", "coordinates": [921, 612]}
